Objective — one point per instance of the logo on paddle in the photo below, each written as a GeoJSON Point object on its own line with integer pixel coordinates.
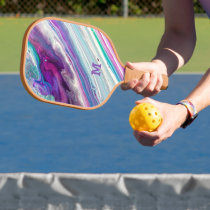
{"type": "Point", "coordinates": [96, 69]}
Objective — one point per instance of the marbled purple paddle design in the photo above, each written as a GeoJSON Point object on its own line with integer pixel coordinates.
{"type": "Point", "coordinates": [71, 63]}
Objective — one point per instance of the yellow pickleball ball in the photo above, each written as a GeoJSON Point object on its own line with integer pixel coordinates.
{"type": "Point", "coordinates": [145, 117]}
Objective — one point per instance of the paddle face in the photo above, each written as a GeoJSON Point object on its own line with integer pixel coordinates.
{"type": "Point", "coordinates": [69, 64]}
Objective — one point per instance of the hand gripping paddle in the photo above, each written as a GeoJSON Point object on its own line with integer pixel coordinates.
{"type": "Point", "coordinates": [72, 64]}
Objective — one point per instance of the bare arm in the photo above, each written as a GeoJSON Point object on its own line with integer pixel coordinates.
{"type": "Point", "coordinates": [178, 41]}
{"type": "Point", "coordinates": [175, 48]}
{"type": "Point", "coordinates": [200, 96]}
{"type": "Point", "coordinates": [175, 115]}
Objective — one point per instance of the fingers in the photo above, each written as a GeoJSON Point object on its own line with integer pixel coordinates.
{"type": "Point", "coordinates": [142, 84]}
{"type": "Point", "coordinates": [142, 140]}
{"type": "Point", "coordinates": [159, 83]}
{"type": "Point", "coordinates": [172, 117]}
{"type": "Point", "coordinates": [149, 138]}
{"type": "Point", "coordinates": [130, 65]}
{"type": "Point", "coordinates": [129, 85]}
{"type": "Point", "coordinates": [150, 83]}
{"type": "Point", "coordinates": [153, 138]}
{"type": "Point", "coordinates": [143, 66]}
{"type": "Point", "coordinates": [151, 89]}
{"type": "Point", "coordinates": [146, 99]}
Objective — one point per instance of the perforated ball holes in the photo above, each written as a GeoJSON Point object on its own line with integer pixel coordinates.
{"type": "Point", "coordinates": [145, 117]}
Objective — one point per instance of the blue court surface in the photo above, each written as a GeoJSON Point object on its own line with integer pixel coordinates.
{"type": "Point", "coordinates": [40, 137]}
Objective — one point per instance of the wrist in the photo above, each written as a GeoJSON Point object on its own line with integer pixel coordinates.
{"type": "Point", "coordinates": [191, 110]}
{"type": "Point", "coordinates": [183, 113]}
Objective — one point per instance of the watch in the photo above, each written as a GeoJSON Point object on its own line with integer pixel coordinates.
{"type": "Point", "coordinates": [191, 111]}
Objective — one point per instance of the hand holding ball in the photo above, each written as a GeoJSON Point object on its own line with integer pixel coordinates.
{"type": "Point", "coordinates": [145, 117]}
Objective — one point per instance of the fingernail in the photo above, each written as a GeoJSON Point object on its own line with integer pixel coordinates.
{"type": "Point", "coordinates": [135, 81]}
{"type": "Point", "coordinates": [137, 102]}
{"type": "Point", "coordinates": [138, 89]}
{"type": "Point", "coordinates": [147, 74]}
{"type": "Point", "coordinates": [129, 63]}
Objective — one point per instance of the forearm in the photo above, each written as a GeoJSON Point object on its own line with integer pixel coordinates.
{"type": "Point", "coordinates": [178, 41]}
{"type": "Point", "coordinates": [174, 51]}
{"type": "Point", "coordinates": [200, 96]}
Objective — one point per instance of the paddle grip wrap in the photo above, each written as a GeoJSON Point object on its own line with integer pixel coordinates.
{"type": "Point", "coordinates": [131, 74]}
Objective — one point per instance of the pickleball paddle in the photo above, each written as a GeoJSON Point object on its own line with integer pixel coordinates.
{"type": "Point", "coordinates": [72, 64]}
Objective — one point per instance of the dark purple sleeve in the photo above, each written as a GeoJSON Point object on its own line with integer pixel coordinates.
{"type": "Point", "coordinates": [206, 6]}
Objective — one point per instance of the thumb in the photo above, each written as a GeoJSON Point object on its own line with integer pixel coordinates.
{"type": "Point", "coordinates": [143, 66]}
{"type": "Point", "coordinates": [144, 100]}
{"type": "Point", "coordinates": [130, 65]}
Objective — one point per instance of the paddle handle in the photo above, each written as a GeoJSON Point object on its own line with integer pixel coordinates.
{"type": "Point", "coordinates": [131, 74]}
